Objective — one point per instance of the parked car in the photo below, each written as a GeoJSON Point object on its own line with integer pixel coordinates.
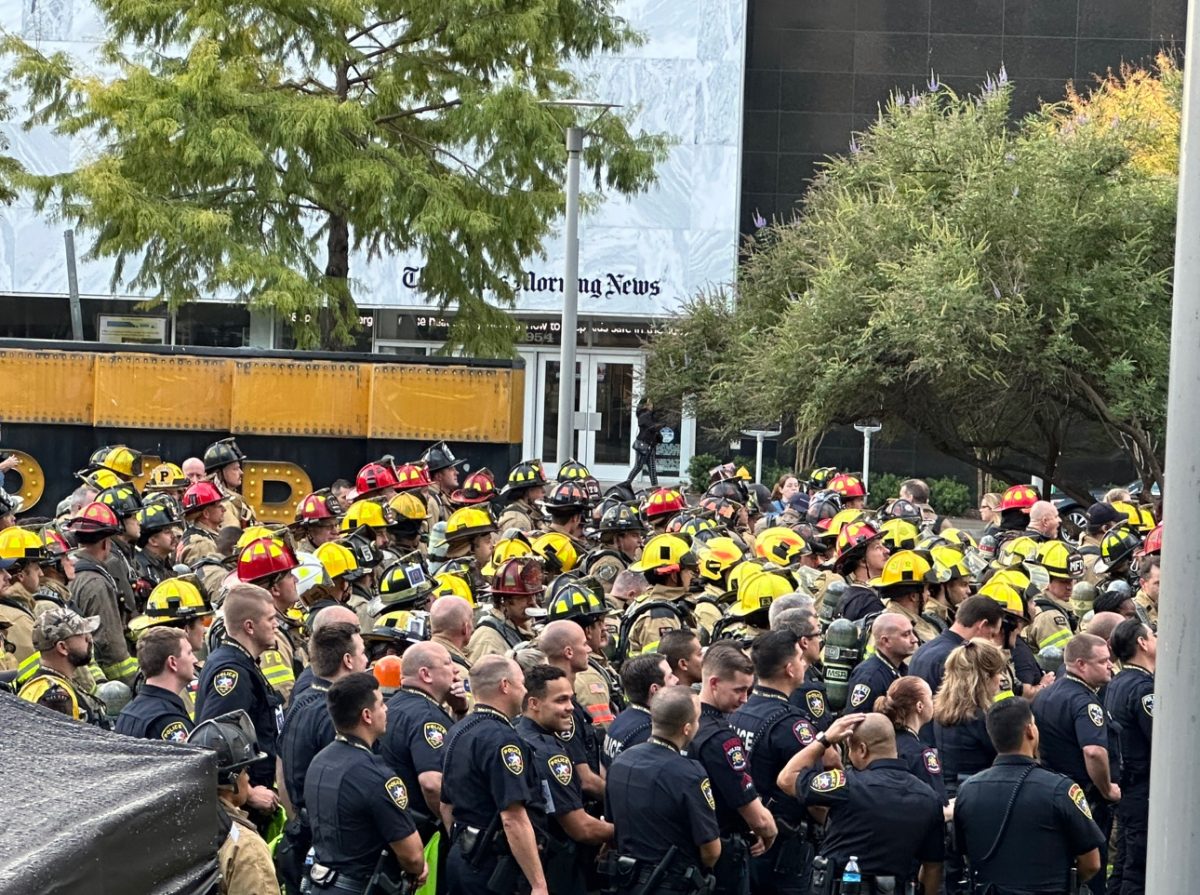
{"type": "Point", "coordinates": [1074, 514]}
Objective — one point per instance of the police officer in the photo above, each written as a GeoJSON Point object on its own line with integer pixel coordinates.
{"type": "Point", "coordinates": [1023, 827]}
{"type": "Point", "coordinates": [566, 647]}
{"type": "Point", "coordinates": [572, 833]}
{"type": "Point", "coordinates": [357, 805]}
{"type": "Point", "coordinates": [336, 651]}
{"type": "Point", "coordinates": [662, 805]}
{"type": "Point", "coordinates": [418, 725]}
{"type": "Point", "coordinates": [1074, 728]}
{"type": "Point", "coordinates": [878, 813]}
{"type": "Point", "coordinates": [809, 695]}
{"type": "Point", "coordinates": [641, 677]}
{"type": "Point", "coordinates": [895, 640]}
{"type": "Point", "coordinates": [492, 788]}
{"type": "Point", "coordinates": [774, 729]}
{"type": "Point", "coordinates": [168, 664]}
{"type": "Point", "coordinates": [1130, 702]}
{"type": "Point", "coordinates": [744, 822]}
{"type": "Point", "coordinates": [232, 680]}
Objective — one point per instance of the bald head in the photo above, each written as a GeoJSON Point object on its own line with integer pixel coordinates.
{"type": "Point", "coordinates": [877, 734]}
{"type": "Point", "coordinates": [1102, 624]}
{"type": "Point", "coordinates": [558, 637]}
{"type": "Point", "coordinates": [449, 615]}
{"type": "Point", "coordinates": [332, 615]}
{"type": "Point", "coordinates": [889, 624]}
{"type": "Point", "coordinates": [426, 655]}
{"type": "Point", "coordinates": [1043, 517]}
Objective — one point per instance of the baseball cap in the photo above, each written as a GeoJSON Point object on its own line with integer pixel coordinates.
{"type": "Point", "coordinates": [6, 563]}
{"type": "Point", "coordinates": [1099, 514]}
{"type": "Point", "coordinates": [59, 624]}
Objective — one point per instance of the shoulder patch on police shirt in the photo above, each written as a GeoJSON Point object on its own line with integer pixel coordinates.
{"type": "Point", "coordinates": [513, 759]}
{"type": "Point", "coordinates": [933, 762]}
{"type": "Point", "coordinates": [1080, 800]}
{"type": "Point", "coordinates": [803, 731]}
{"type": "Point", "coordinates": [859, 694]}
{"type": "Point", "coordinates": [815, 700]}
{"type": "Point", "coordinates": [175, 732]}
{"type": "Point", "coordinates": [561, 767]}
{"type": "Point", "coordinates": [735, 754]}
{"type": "Point", "coordinates": [435, 734]}
{"type": "Point", "coordinates": [398, 791]}
{"type": "Point", "coordinates": [1148, 704]}
{"type": "Point", "coordinates": [224, 681]}
{"type": "Point", "coordinates": [1096, 713]}
{"type": "Point", "coordinates": [827, 781]}
{"type": "Point", "coordinates": [706, 791]}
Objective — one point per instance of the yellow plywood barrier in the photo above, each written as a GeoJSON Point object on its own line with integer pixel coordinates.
{"type": "Point", "coordinates": [256, 475]}
{"type": "Point", "coordinates": [431, 403]}
{"type": "Point", "coordinates": [46, 387]}
{"type": "Point", "coordinates": [150, 391]}
{"type": "Point", "coordinates": [263, 396]}
{"type": "Point", "coordinates": [300, 398]}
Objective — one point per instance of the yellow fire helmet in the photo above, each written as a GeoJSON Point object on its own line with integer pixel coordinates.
{"type": "Point", "coordinates": [948, 563]}
{"type": "Point", "coordinates": [555, 547]}
{"type": "Point", "coordinates": [959, 538]}
{"type": "Point", "coordinates": [174, 600]}
{"type": "Point", "coordinates": [253, 533]}
{"type": "Point", "coordinates": [1059, 560]}
{"type": "Point", "coordinates": [467, 522]}
{"type": "Point", "coordinates": [507, 548]}
{"type": "Point", "coordinates": [338, 561]}
{"type": "Point", "coordinates": [758, 591]}
{"type": "Point", "coordinates": [407, 505]}
{"type": "Point", "coordinates": [905, 567]}
{"type": "Point", "coordinates": [1016, 551]}
{"type": "Point", "coordinates": [666, 553]}
{"type": "Point", "coordinates": [1007, 596]}
{"type": "Point", "coordinates": [717, 557]}
{"type": "Point", "coordinates": [741, 571]}
{"type": "Point", "coordinates": [840, 520]}
{"type": "Point", "coordinates": [451, 585]}
{"type": "Point", "coordinates": [366, 512]}
{"type": "Point", "coordinates": [167, 477]}
{"type": "Point", "coordinates": [1132, 516]}
{"type": "Point", "coordinates": [780, 545]}
{"type": "Point", "coordinates": [899, 534]}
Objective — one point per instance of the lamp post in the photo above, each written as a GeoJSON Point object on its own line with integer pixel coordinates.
{"type": "Point", "coordinates": [570, 313]}
{"type": "Point", "coordinates": [867, 428]}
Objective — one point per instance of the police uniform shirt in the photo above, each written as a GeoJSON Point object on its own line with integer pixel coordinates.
{"type": "Point", "coordinates": [929, 661]}
{"type": "Point", "coordinates": [304, 680]}
{"type": "Point", "coordinates": [487, 767]}
{"type": "Point", "coordinates": [155, 714]}
{"type": "Point", "coordinates": [357, 807]}
{"type": "Point", "coordinates": [1050, 826]}
{"type": "Point", "coordinates": [870, 680]}
{"type": "Point", "coordinates": [415, 741]}
{"type": "Point", "coordinates": [631, 727]}
{"type": "Point", "coordinates": [656, 798]}
{"type": "Point", "coordinates": [720, 750]}
{"type": "Point", "coordinates": [580, 739]}
{"type": "Point", "coordinates": [922, 761]}
{"type": "Point", "coordinates": [1129, 698]}
{"type": "Point", "coordinates": [964, 749]}
{"type": "Point", "coordinates": [232, 680]}
{"type": "Point", "coordinates": [561, 791]}
{"type": "Point", "coordinates": [1070, 716]}
{"type": "Point", "coordinates": [810, 699]}
{"type": "Point", "coordinates": [883, 815]}
{"type": "Point", "coordinates": [307, 729]}
{"type": "Point", "coordinates": [1025, 663]}
{"type": "Point", "coordinates": [768, 749]}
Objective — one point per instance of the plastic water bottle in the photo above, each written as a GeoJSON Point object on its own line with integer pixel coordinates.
{"type": "Point", "coordinates": [851, 877]}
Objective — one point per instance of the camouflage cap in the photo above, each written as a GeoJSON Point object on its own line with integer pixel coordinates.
{"type": "Point", "coordinates": [61, 623]}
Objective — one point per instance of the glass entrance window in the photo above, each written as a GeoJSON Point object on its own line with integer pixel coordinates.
{"type": "Point", "coordinates": [614, 403]}
{"type": "Point", "coordinates": [550, 383]}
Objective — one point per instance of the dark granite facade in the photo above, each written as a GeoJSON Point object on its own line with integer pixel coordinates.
{"type": "Point", "coordinates": [819, 69]}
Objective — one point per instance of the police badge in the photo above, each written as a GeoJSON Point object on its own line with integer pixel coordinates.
{"type": "Point", "coordinates": [513, 760]}
{"type": "Point", "coordinates": [706, 790]}
{"type": "Point", "coordinates": [224, 681]}
{"type": "Point", "coordinates": [1148, 704]}
{"type": "Point", "coordinates": [398, 791]}
{"type": "Point", "coordinates": [815, 700]}
{"type": "Point", "coordinates": [1096, 714]}
{"type": "Point", "coordinates": [175, 733]}
{"type": "Point", "coordinates": [560, 767]}
{"type": "Point", "coordinates": [859, 694]}
{"type": "Point", "coordinates": [827, 781]}
{"type": "Point", "coordinates": [435, 734]}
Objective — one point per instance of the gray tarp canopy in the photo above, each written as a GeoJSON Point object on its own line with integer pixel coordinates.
{"type": "Point", "coordinates": [87, 811]}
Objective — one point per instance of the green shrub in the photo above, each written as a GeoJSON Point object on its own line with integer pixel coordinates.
{"type": "Point", "coordinates": [884, 486]}
{"type": "Point", "coordinates": [950, 497]}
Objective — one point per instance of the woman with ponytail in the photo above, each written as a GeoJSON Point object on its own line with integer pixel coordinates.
{"type": "Point", "coordinates": [973, 673]}
{"type": "Point", "coordinates": [909, 706]}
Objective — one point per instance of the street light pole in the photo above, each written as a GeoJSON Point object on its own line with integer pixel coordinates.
{"type": "Point", "coordinates": [570, 313]}
{"type": "Point", "coordinates": [867, 429]}
{"type": "Point", "coordinates": [1174, 835]}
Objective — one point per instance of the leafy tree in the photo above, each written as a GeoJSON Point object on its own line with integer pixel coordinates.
{"type": "Point", "coordinates": [248, 147]}
{"type": "Point", "coordinates": [992, 285]}
{"type": "Point", "coordinates": [10, 169]}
